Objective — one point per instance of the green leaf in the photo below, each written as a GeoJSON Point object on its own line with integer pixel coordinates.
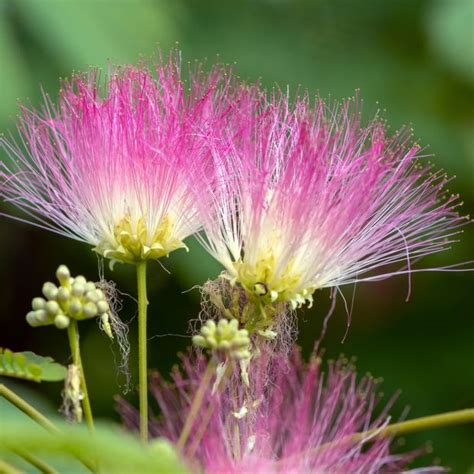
{"type": "Point", "coordinates": [113, 450]}
{"type": "Point", "coordinates": [30, 366]}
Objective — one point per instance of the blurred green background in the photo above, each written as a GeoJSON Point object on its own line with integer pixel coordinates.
{"type": "Point", "coordinates": [413, 58]}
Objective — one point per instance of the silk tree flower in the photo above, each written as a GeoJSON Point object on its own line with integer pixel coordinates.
{"type": "Point", "coordinates": [111, 164]}
{"type": "Point", "coordinates": [308, 197]}
{"type": "Point", "coordinates": [293, 418]}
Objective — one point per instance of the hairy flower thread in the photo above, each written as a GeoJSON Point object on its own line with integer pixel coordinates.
{"type": "Point", "coordinates": [307, 197]}
{"type": "Point", "coordinates": [112, 164]}
{"type": "Point", "coordinates": [292, 418]}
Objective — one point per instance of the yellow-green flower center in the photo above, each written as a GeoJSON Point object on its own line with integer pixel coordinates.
{"type": "Point", "coordinates": [133, 242]}
{"type": "Point", "coordinates": [265, 281]}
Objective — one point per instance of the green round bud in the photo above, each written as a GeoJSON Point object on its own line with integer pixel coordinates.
{"type": "Point", "coordinates": [81, 280]}
{"type": "Point", "coordinates": [199, 341]}
{"type": "Point", "coordinates": [50, 290]}
{"type": "Point", "coordinates": [31, 319]}
{"type": "Point", "coordinates": [61, 321]}
{"type": "Point", "coordinates": [52, 308]}
{"type": "Point", "coordinates": [225, 345]}
{"type": "Point", "coordinates": [92, 296]}
{"type": "Point", "coordinates": [42, 316]}
{"type": "Point", "coordinates": [75, 308]}
{"type": "Point", "coordinates": [243, 354]}
{"type": "Point", "coordinates": [63, 275]}
{"type": "Point", "coordinates": [100, 294]}
{"type": "Point", "coordinates": [38, 303]}
{"type": "Point", "coordinates": [102, 307]}
{"type": "Point", "coordinates": [212, 342]}
{"type": "Point", "coordinates": [90, 286]}
{"type": "Point", "coordinates": [90, 310]}
{"type": "Point", "coordinates": [78, 288]}
{"type": "Point", "coordinates": [63, 294]}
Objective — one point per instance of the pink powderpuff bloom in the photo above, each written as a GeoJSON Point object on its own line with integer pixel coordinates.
{"type": "Point", "coordinates": [292, 418]}
{"type": "Point", "coordinates": [112, 164]}
{"type": "Point", "coordinates": [307, 197]}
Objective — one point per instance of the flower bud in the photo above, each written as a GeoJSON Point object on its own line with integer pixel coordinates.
{"type": "Point", "coordinates": [50, 290]}
{"type": "Point", "coordinates": [75, 298]}
{"type": "Point", "coordinates": [78, 288]}
{"type": "Point", "coordinates": [100, 294]}
{"type": "Point", "coordinates": [42, 316]}
{"type": "Point", "coordinates": [52, 308]}
{"type": "Point", "coordinates": [63, 275]}
{"type": "Point", "coordinates": [90, 286]}
{"type": "Point", "coordinates": [90, 310]}
{"type": "Point", "coordinates": [198, 340]}
{"type": "Point", "coordinates": [63, 294]}
{"type": "Point", "coordinates": [75, 307]}
{"type": "Point", "coordinates": [92, 296]}
{"type": "Point", "coordinates": [61, 321]}
{"type": "Point", "coordinates": [80, 280]}
{"type": "Point", "coordinates": [31, 319]}
{"type": "Point", "coordinates": [38, 303]}
{"type": "Point", "coordinates": [102, 307]}
{"type": "Point", "coordinates": [225, 337]}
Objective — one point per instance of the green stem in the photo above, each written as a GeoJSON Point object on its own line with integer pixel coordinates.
{"type": "Point", "coordinates": [6, 468]}
{"type": "Point", "coordinates": [35, 415]}
{"type": "Point", "coordinates": [424, 423]}
{"type": "Point", "coordinates": [196, 405]}
{"type": "Point", "coordinates": [73, 333]}
{"type": "Point", "coordinates": [36, 462]}
{"type": "Point", "coordinates": [451, 418]}
{"type": "Point", "coordinates": [26, 408]}
{"type": "Point", "coordinates": [142, 349]}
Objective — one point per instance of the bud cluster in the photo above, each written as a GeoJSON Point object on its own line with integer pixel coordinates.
{"type": "Point", "coordinates": [225, 336]}
{"type": "Point", "coordinates": [75, 298]}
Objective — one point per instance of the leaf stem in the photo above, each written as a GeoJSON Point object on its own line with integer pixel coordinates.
{"type": "Point", "coordinates": [35, 415]}
{"type": "Point", "coordinates": [6, 468]}
{"type": "Point", "coordinates": [451, 418]}
{"type": "Point", "coordinates": [424, 423]}
{"type": "Point", "coordinates": [73, 333]}
{"type": "Point", "coordinates": [36, 462]}
{"type": "Point", "coordinates": [26, 408]}
{"type": "Point", "coordinates": [142, 349]}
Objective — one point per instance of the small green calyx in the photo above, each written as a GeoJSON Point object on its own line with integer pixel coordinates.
{"type": "Point", "coordinates": [224, 337]}
{"type": "Point", "coordinates": [75, 298]}
{"type": "Point", "coordinates": [132, 242]}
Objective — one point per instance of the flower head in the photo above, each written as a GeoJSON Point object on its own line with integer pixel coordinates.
{"type": "Point", "coordinates": [74, 298]}
{"type": "Point", "coordinates": [224, 337]}
{"type": "Point", "coordinates": [112, 164]}
{"type": "Point", "coordinates": [292, 418]}
{"type": "Point", "coordinates": [308, 197]}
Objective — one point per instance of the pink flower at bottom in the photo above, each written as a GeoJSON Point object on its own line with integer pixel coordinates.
{"type": "Point", "coordinates": [291, 418]}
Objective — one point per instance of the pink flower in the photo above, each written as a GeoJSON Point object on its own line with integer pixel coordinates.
{"type": "Point", "coordinates": [112, 165]}
{"type": "Point", "coordinates": [308, 197]}
{"type": "Point", "coordinates": [292, 418]}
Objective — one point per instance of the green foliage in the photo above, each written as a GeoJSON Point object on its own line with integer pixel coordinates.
{"type": "Point", "coordinates": [113, 450]}
{"type": "Point", "coordinates": [30, 366]}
